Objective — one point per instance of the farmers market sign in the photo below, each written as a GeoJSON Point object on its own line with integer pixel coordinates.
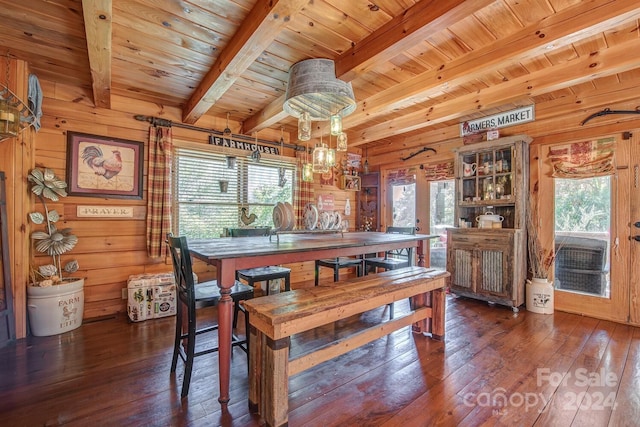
{"type": "Point", "coordinates": [497, 121]}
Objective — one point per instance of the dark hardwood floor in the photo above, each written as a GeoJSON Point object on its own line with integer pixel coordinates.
{"type": "Point", "coordinates": [495, 368]}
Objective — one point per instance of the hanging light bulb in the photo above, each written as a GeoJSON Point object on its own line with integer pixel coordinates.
{"type": "Point", "coordinates": [304, 126]}
{"type": "Point", "coordinates": [320, 159]}
{"type": "Point", "coordinates": [331, 155]}
{"type": "Point", "coordinates": [336, 124]}
{"type": "Point", "coordinates": [342, 142]}
{"type": "Point", "coordinates": [307, 172]}
{"type": "Point", "coordinates": [307, 168]}
{"type": "Point", "coordinates": [227, 131]}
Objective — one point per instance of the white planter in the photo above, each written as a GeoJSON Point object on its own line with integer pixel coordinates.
{"type": "Point", "coordinates": [539, 296]}
{"type": "Point", "coordinates": [55, 309]}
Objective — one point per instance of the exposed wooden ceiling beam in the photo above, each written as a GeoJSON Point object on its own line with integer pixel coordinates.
{"type": "Point", "coordinates": [419, 21]}
{"type": "Point", "coordinates": [605, 62]}
{"type": "Point", "coordinates": [268, 116]}
{"type": "Point", "coordinates": [558, 30]}
{"type": "Point", "coordinates": [97, 25]}
{"type": "Point", "coordinates": [579, 106]}
{"type": "Point", "coordinates": [259, 29]}
{"type": "Point", "coordinates": [422, 20]}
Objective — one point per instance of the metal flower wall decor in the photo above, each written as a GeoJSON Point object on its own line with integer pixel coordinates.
{"type": "Point", "coordinates": [52, 241]}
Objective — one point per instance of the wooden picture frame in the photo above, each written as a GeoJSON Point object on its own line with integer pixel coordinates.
{"type": "Point", "coordinates": [351, 183]}
{"type": "Point", "coordinates": [99, 166]}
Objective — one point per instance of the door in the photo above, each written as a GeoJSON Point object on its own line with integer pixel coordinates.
{"type": "Point", "coordinates": [592, 271]}
{"type": "Point", "coordinates": [634, 242]}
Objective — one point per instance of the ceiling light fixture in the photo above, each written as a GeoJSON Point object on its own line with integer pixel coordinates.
{"type": "Point", "coordinates": [315, 94]}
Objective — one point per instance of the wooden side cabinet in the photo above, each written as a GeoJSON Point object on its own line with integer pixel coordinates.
{"type": "Point", "coordinates": [492, 178]}
{"type": "Point", "coordinates": [487, 264]}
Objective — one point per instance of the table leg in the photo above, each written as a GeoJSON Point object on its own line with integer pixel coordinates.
{"type": "Point", "coordinates": [226, 279]}
{"type": "Point", "coordinates": [225, 319]}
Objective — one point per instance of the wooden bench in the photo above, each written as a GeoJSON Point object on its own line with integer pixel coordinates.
{"type": "Point", "coordinates": [275, 318]}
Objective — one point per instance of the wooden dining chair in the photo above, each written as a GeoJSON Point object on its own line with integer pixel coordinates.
{"type": "Point", "coordinates": [192, 296]}
{"type": "Point", "coordinates": [261, 274]}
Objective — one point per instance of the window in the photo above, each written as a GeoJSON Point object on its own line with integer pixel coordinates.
{"type": "Point", "coordinates": [404, 205]}
{"type": "Point", "coordinates": [582, 223]}
{"type": "Point", "coordinates": [441, 209]}
{"type": "Point", "coordinates": [210, 192]}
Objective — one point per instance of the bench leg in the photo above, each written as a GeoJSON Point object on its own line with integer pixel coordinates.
{"type": "Point", "coordinates": [274, 400]}
{"type": "Point", "coordinates": [435, 324]}
{"type": "Point", "coordinates": [438, 303]}
{"type": "Point", "coordinates": [257, 339]}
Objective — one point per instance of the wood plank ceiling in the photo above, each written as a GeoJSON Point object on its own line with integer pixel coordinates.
{"type": "Point", "coordinates": [417, 67]}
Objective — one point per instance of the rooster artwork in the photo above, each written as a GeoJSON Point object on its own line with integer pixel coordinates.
{"type": "Point", "coordinates": [107, 167]}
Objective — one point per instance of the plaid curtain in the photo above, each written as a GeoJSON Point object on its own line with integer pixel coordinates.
{"type": "Point", "coordinates": [159, 190]}
{"type": "Point", "coordinates": [583, 159]}
{"type": "Point", "coordinates": [303, 193]}
{"type": "Point", "coordinates": [439, 171]}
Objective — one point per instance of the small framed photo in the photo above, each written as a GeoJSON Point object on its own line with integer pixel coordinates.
{"type": "Point", "coordinates": [98, 166]}
{"type": "Point", "coordinates": [351, 182]}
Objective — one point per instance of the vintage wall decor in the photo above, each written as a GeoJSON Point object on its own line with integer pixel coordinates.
{"type": "Point", "coordinates": [99, 166]}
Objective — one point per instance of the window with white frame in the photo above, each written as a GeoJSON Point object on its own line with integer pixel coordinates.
{"type": "Point", "coordinates": [211, 191]}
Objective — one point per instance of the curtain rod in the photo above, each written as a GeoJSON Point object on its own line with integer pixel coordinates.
{"type": "Point", "coordinates": [157, 121]}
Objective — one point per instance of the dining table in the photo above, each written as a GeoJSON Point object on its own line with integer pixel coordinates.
{"type": "Point", "coordinates": [230, 254]}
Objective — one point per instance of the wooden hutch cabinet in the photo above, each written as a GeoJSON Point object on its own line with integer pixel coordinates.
{"type": "Point", "coordinates": [490, 263]}
{"type": "Point", "coordinates": [368, 210]}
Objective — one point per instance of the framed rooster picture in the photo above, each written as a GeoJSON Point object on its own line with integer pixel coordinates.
{"type": "Point", "coordinates": [98, 166]}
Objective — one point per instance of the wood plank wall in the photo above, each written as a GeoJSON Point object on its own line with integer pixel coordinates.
{"type": "Point", "coordinates": [109, 250]}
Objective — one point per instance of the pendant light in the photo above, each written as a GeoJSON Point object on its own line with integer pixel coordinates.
{"type": "Point", "coordinates": [331, 155]}
{"type": "Point", "coordinates": [227, 131]}
{"type": "Point", "coordinates": [315, 94]}
{"type": "Point", "coordinates": [304, 127]}
{"type": "Point", "coordinates": [320, 158]}
{"type": "Point", "coordinates": [336, 124]}
{"type": "Point", "coordinates": [307, 168]}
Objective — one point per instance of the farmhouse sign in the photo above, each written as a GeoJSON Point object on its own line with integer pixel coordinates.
{"type": "Point", "coordinates": [497, 121]}
{"type": "Point", "coordinates": [104, 212]}
{"type": "Point", "coordinates": [242, 145]}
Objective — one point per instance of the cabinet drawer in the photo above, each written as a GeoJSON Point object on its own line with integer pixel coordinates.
{"type": "Point", "coordinates": [482, 238]}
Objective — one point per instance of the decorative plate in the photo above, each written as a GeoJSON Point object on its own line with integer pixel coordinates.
{"type": "Point", "coordinates": [310, 216]}
{"type": "Point", "coordinates": [291, 214]}
{"type": "Point", "coordinates": [278, 217]}
{"type": "Point", "coordinates": [337, 224]}
{"type": "Point", "coordinates": [326, 220]}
